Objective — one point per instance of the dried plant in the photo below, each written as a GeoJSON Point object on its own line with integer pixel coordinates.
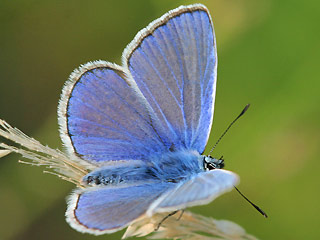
{"type": "Point", "coordinates": [189, 226]}
{"type": "Point", "coordinates": [37, 154]}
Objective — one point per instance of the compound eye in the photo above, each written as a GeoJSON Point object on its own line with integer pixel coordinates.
{"type": "Point", "coordinates": [210, 166]}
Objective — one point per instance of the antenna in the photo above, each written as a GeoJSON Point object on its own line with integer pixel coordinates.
{"type": "Point", "coordinates": [253, 205]}
{"type": "Point", "coordinates": [243, 111]}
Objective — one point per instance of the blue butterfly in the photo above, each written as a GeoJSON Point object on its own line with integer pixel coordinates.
{"type": "Point", "coordinates": [141, 128]}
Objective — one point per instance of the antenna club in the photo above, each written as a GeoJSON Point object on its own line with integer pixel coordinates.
{"type": "Point", "coordinates": [246, 108]}
{"type": "Point", "coordinates": [243, 111]}
{"type": "Point", "coordinates": [252, 204]}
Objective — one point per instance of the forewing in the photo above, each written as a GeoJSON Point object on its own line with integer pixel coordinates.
{"type": "Point", "coordinates": [198, 190]}
{"type": "Point", "coordinates": [173, 62]}
{"type": "Point", "coordinates": [162, 100]}
{"type": "Point", "coordinates": [109, 209]}
{"type": "Point", "coordinates": [102, 117]}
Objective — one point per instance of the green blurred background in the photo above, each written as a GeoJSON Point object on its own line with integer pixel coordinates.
{"type": "Point", "coordinates": [268, 56]}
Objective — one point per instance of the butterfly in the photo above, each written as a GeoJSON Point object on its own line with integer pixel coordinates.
{"type": "Point", "coordinates": [141, 128]}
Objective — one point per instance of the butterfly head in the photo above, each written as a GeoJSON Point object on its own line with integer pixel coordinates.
{"type": "Point", "coordinates": [210, 163]}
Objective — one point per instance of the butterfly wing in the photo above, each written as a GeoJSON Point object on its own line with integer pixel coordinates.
{"type": "Point", "coordinates": [161, 100]}
{"type": "Point", "coordinates": [110, 209]}
{"type": "Point", "coordinates": [173, 62]}
{"type": "Point", "coordinates": [200, 189]}
{"type": "Point", "coordinates": [103, 118]}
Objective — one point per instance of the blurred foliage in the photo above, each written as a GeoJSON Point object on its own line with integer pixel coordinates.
{"type": "Point", "coordinates": [268, 56]}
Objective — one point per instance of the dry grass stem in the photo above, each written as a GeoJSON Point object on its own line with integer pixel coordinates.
{"type": "Point", "coordinates": [189, 227]}
{"type": "Point", "coordinates": [37, 154]}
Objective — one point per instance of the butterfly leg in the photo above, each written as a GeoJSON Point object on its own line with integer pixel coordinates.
{"type": "Point", "coordinates": [165, 218]}
{"type": "Point", "coordinates": [180, 216]}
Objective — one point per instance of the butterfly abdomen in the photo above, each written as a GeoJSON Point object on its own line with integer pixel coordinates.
{"type": "Point", "coordinates": [102, 179]}
{"type": "Point", "coordinates": [120, 175]}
